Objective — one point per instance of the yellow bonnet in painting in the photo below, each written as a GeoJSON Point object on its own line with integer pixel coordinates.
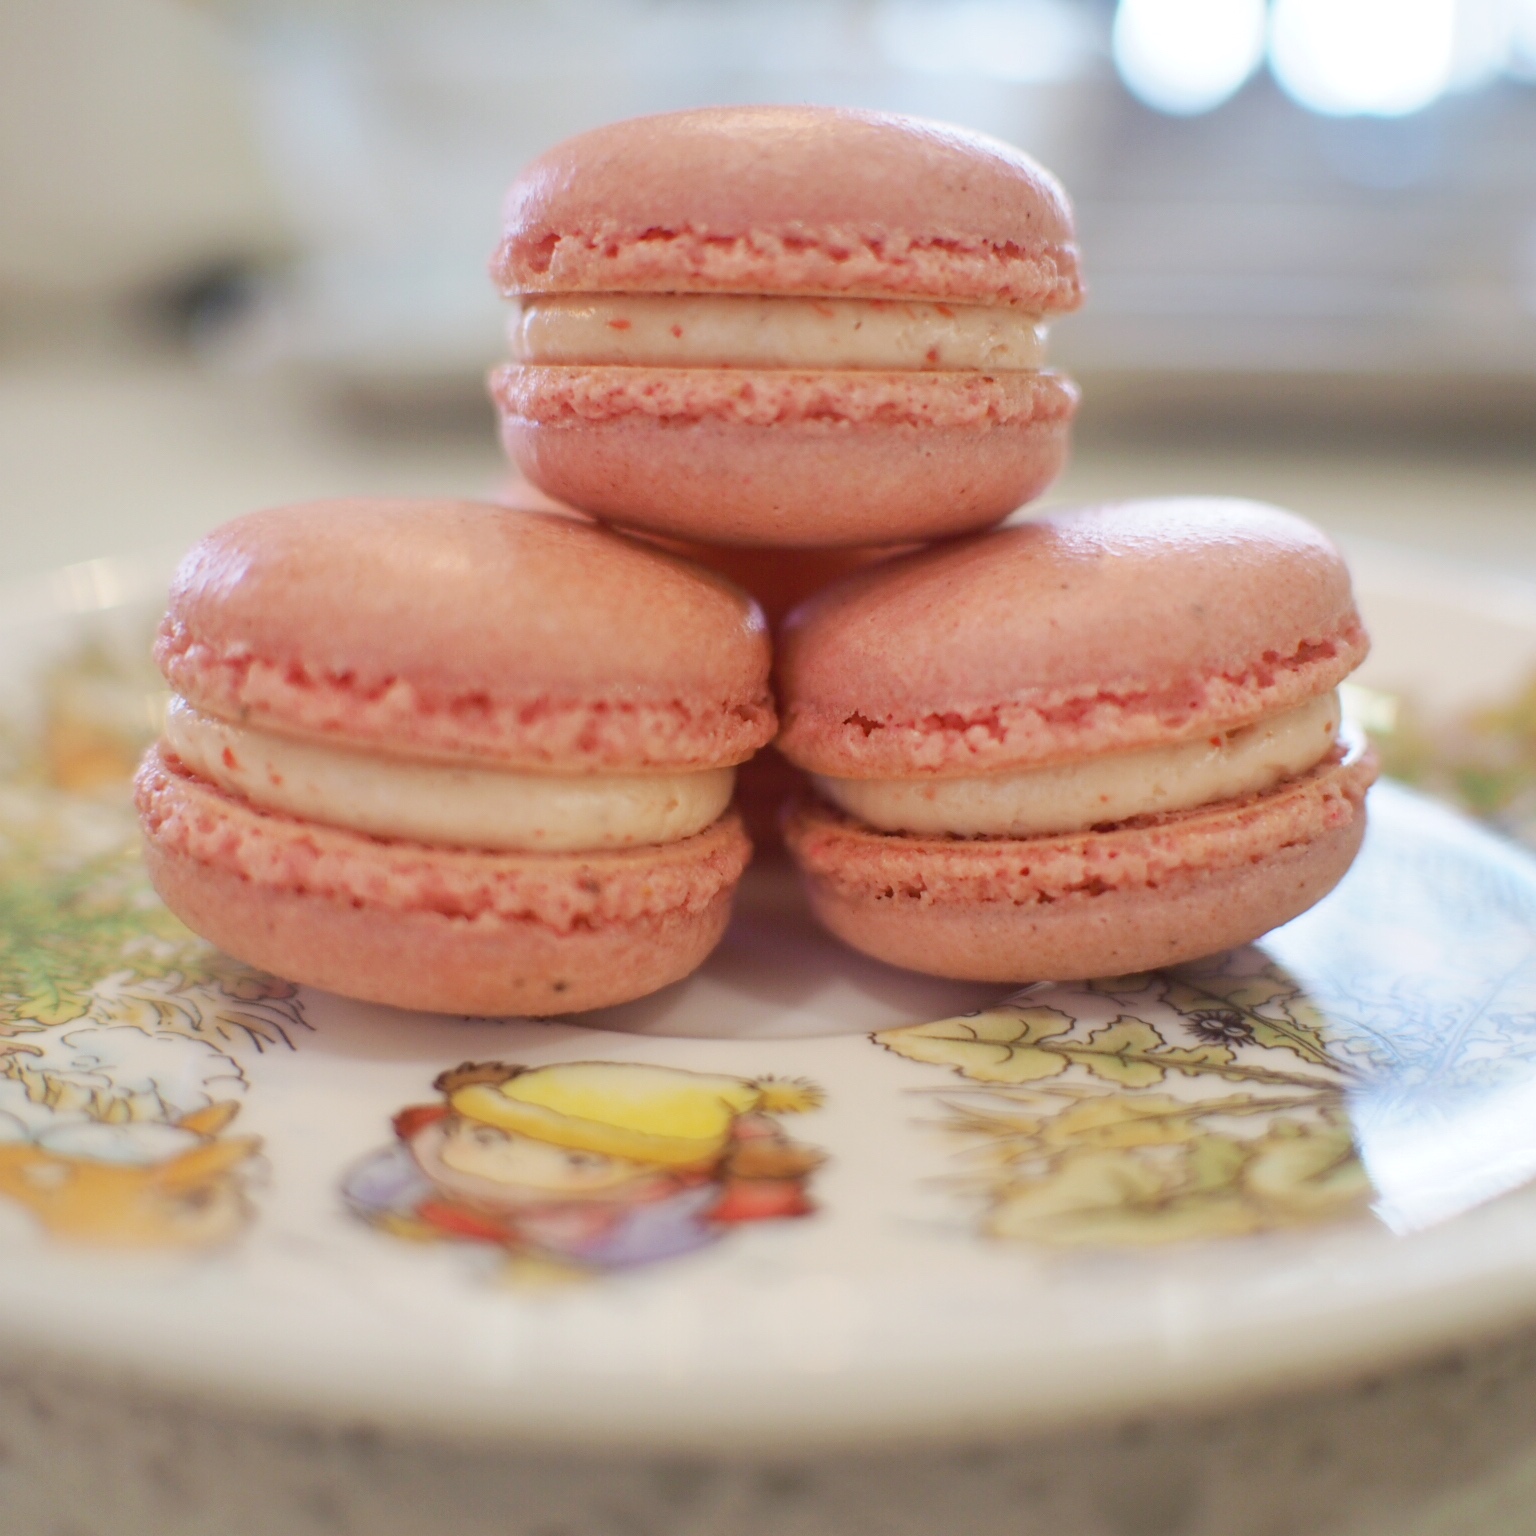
{"type": "Point", "coordinates": [646, 1113]}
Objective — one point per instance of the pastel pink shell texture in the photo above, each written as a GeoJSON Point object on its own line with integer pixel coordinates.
{"type": "Point", "coordinates": [467, 633]}
{"type": "Point", "coordinates": [1095, 630]}
{"type": "Point", "coordinates": [789, 201]}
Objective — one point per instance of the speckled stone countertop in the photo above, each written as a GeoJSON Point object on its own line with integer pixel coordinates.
{"type": "Point", "coordinates": [1440, 1448]}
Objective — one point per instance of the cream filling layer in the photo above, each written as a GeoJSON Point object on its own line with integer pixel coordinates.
{"type": "Point", "coordinates": [1071, 797]}
{"type": "Point", "coordinates": [491, 808]}
{"type": "Point", "coordinates": [751, 331]}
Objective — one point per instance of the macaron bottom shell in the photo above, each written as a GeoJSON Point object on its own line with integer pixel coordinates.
{"type": "Point", "coordinates": [436, 929]}
{"type": "Point", "coordinates": [1109, 902]}
{"type": "Point", "coordinates": [821, 482]}
{"type": "Point", "coordinates": [427, 961]}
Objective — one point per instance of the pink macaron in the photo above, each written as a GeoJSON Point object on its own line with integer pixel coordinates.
{"type": "Point", "coordinates": [798, 326]}
{"type": "Point", "coordinates": [1101, 742]}
{"type": "Point", "coordinates": [451, 756]}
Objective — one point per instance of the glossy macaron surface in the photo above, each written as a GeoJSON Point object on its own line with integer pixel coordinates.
{"type": "Point", "coordinates": [1090, 630]}
{"type": "Point", "coordinates": [781, 199]}
{"type": "Point", "coordinates": [462, 629]}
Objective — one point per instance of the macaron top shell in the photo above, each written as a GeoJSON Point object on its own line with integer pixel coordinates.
{"type": "Point", "coordinates": [450, 629]}
{"type": "Point", "coordinates": [791, 200]}
{"type": "Point", "coordinates": [1090, 630]}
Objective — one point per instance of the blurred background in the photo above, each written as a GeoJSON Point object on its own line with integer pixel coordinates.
{"type": "Point", "coordinates": [244, 241]}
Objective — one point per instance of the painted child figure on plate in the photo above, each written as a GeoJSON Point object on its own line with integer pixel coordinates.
{"type": "Point", "coordinates": [588, 1166]}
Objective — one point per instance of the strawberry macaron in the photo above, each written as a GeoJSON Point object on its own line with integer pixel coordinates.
{"type": "Point", "coordinates": [451, 756]}
{"type": "Point", "coordinates": [1101, 742]}
{"type": "Point", "coordinates": [792, 326]}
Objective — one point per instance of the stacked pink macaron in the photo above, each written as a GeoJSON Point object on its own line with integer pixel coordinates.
{"type": "Point", "coordinates": [469, 758]}
{"type": "Point", "coordinates": [1096, 742]}
{"type": "Point", "coordinates": [787, 326]}
{"type": "Point", "coordinates": [794, 337]}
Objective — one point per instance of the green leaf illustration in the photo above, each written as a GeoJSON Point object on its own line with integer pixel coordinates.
{"type": "Point", "coordinates": [1120, 1151]}
{"type": "Point", "coordinates": [1115, 1199]}
{"type": "Point", "coordinates": [47, 1003]}
{"type": "Point", "coordinates": [1122, 1053]}
{"type": "Point", "coordinates": [1017, 1046]}
{"type": "Point", "coordinates": [1215, 1162]}
{"type": "Point", "coordinates": [1308, 1172]}
{"type": "Point", "coordinates": [1236, 1007]}
{"type": "Point", "coordinates": [1100, 1192]}
{"type": "Point", "coordinates": [1132, 1053]}
{"type": "Point", "coordinates": [1121, 1120]}
{"type": "Point", "coordinates": [1000, 1045]}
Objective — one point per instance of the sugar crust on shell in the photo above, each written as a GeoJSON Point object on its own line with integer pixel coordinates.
{"type": "Point", "coordinates": [1101, 903]}
{"type": "Point", "coordinates": [465, 630]}
{"type": "Point", "coordinates": [783, 199]}
{"type": "Point", "coordinates": [1090, 630]}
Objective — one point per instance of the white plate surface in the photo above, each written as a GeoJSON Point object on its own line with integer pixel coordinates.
{"type": "Point", "coordinates": [1091, 1199]}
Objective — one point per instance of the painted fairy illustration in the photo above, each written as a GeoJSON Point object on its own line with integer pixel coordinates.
{"type": "Point", "coordinates": [589, 1167]}
{"type": "Point", "coordinates": [118, 1086]}
{"type": "Point", "coordinates": [149, 1184]}
{"type": "Point", "coordinates": [116, 1107]}
{"type": "Point", "coordinates": [121, 1033]}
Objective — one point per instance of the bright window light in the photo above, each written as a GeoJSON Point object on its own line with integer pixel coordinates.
{"type": "Point", "coordinates": [1030, 41]}
{"type": "Point", "coordinates": [1345, 58]}
{"type": "Point", "coordinates": [1187, 56]}
{"type": "Point", "coordinates": [1522, 53]}
{"type": "Point", "coordinates": [1482, 43]}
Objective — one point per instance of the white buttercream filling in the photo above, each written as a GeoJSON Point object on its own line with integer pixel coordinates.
{"type": "Point", "coordinates": [1071, 797]}
{"type": "Point", "coordinates": [750, 331]}
{"type": "Point", "coordinates": [465, 807]}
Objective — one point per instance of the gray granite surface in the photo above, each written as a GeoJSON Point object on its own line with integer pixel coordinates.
{"type": "Point", "coordinates": [1439, 1448]}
